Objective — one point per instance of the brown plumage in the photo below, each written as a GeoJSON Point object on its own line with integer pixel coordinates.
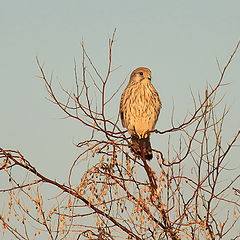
{"type": "Point", "coordinates": [139, 109]}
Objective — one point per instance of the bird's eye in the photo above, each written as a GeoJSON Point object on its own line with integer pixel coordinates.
{"type": "Point", "coordinates": [141, 73]}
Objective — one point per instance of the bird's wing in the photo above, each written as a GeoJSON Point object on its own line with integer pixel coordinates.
{"type": "Point", "coordinates": [121, 110]}
{"type": "Point", "coordinates": [159, 105]}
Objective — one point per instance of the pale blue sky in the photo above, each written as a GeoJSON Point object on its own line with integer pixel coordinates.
{"type": "Point", "coordinates": [179, 40]}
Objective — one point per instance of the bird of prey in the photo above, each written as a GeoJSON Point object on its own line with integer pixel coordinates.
{"type": "Point", "coordinates": [139, 109]}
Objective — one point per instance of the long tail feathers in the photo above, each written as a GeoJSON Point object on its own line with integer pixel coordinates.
{"type": "Point", "coordinates": [141, 147]}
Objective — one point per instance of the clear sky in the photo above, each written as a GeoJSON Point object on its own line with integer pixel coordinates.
{"type": "Point", "coordinates": [179, 40]}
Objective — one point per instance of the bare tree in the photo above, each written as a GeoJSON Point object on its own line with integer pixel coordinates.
{"type": "Point", "coordinates": [186, 196]}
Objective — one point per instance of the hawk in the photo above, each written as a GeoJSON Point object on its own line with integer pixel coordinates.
{"type": "Point", "coordinates": [139, 109]}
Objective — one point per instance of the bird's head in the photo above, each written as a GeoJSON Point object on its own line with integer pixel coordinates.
{"type": "Point", "coordinates": [141, 74]}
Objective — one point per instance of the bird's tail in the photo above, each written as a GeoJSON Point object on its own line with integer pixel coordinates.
{"type": "Point", "coordinates": [141, 147]}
